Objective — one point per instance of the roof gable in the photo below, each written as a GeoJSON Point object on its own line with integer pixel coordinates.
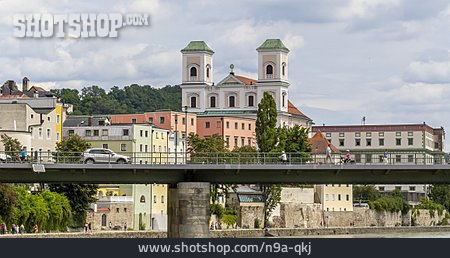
{"type": "Point", "coordinates": [319, 144]}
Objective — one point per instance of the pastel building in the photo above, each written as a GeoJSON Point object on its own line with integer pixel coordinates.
{"type": "Point", "coordinates": [404, 144]}
{"type": "Point", "coordinates": [332, 197]}
{"type": "Point", "coordinates": [236, 97]}
{"type": "Point", "coordinates": [235, 131]}
{"type": "Point", "coordinates": [170, 120]}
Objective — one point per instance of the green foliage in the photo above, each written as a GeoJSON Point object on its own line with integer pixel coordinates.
{"type": "Point", "coordinates": [72, 144]}
{"type": "Point", "coordinates": [256, 223]}
{"type": "Point", "coordinates": [440, 194]}
{"type": "Point", "coordinates": [216, 209]}
{"type": "Point", "coordinates": [12, 145]}
{"type": "Point", "coordinates": [51, 211]}
{"type": "Point", "coordinates": [365, 193]}
{"type": "Point", "coordinates": [8, 200]}
{"type": "Point", "coordinates": [266, 121]}
{"type": "Point", "coordinates": [130, 99]}
{"type": "Point", "coordinates": [229, 220]}
{"type": "Point", "coordinates": [271, 196]}
{"type": "Point", "coordinates": [293, 139]}
{"type": "Point", "coordinates": [230, 211]}
{"type": "Point", "coordinates": [80, 196]}
{"type": "Point", "coordinates": [141, 225]}
{"type": "Point", "coordinates": [247, 154]}
{"type": "Point", "coordinates": [392, 203]}
{"type": "Point", "coordinates": [431, 206]}
{"type": "Point", "coordinates": [213, 144]}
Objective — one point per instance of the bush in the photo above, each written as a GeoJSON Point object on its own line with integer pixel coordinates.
{"type": "Point", "coordinates": [216, 209]}
{"type": "Point", "coordinates": [256, 223]}
{"type": "Point", "coordinates": [390, 203]}
{"type": "Point", "coordinates": [431, 207]}
{"type": "Point", "coordinates": [229, 220]}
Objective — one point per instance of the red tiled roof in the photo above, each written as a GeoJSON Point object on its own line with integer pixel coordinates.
{"type": "Point", "coordinates": [319, 144]}
{"type": "Point", "coordinates": [246, 80]}
{"type": "Point", "coordinates": [293, 109]}
{"type": "Point", "coordinates": [14, 96]}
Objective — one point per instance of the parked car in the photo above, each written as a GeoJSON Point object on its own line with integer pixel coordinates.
{"type": "Point", "coordinates": [4, 157]}
{"type": "Point", "coordinates": [99, 155]}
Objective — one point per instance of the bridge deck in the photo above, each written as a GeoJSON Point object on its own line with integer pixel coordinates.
{"type": "Point", "coordinates": [227, 173]}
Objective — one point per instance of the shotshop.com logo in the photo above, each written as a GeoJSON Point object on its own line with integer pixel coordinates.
{"type": "Point", "coordinates": [84, 25]}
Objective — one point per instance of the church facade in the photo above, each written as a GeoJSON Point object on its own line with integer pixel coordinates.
{"type": "Point", "coordinates": [236, 97]}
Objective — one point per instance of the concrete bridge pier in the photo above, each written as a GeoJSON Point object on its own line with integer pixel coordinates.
{"type": "Point", "coordinates": [188, 210]}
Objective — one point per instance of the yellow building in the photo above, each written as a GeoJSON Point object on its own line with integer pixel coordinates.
{"type": "Point", "coordinates": [159, 207]}
{"type": "Point", "coordinates": [108, 190]}
{"type": "Point", "coordinates": [335, 197]}
{"type": "Point", "coordinates": [160, 142]}
{"type": "Point", "coordinates": [59, 121]}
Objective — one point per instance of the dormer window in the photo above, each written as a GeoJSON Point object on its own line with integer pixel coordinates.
{"type": "Point", "coordinates": [269, 71]}
{"type": "Point", "coordinates": [193, 73]}
{"type": "Point", "coordinates": [232, 101]}
{"type": "Point", "coordinates": [193, 102]}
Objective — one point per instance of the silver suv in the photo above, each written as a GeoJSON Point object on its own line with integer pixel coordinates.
{"type": "Point", "coordinates": [99, 155]}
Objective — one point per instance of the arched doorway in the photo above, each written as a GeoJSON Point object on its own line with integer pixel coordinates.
{"type": "Point", "coordinates": [104, 220]}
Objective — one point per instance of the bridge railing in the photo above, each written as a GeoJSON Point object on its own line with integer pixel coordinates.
{"type": "Point", "coordinates": [357, 158]}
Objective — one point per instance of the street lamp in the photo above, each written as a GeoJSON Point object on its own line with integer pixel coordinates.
{"type": "Point", "coordinates": [176, 137]}
{"type": "Point", "coordinates": [185, 131]}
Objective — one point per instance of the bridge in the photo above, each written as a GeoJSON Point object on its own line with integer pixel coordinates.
{"type": "Point", "coordinates": [190, 179]}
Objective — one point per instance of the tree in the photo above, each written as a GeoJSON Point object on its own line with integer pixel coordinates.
{"type": "Point", "coordinates": [70, 149]}
{"type": "Point", "coordinates": [440, 194]}
{"type": "Point", "coordinates": [12, 145]}
{"type": "Point", "coordinates": [365, 193]}
{"type": "Point", "coordinates": [8, 200]}
{"type": "Point", "coordinates": [130, 99]}
{"type": "Point", "coordinates": [272, 197]}
{"type": "Point", "coordinates": [80, 196]}
{"type": "Point", "coordinates": [266, 121]}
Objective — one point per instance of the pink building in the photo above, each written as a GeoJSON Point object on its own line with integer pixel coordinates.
{"type": "Point", "coordinates": [235, 131]}
{"type": "Point", "coordinates": [170, 120]}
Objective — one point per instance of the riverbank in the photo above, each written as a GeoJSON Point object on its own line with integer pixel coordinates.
{"type": "Point", "coordinates": [249, 233]}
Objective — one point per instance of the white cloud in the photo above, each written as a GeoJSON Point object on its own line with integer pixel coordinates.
{"type": "Point", "coordinates": [430, 72]}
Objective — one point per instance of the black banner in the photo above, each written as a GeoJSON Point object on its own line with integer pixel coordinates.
{"type": "Point", "coordinates": [264, 247]}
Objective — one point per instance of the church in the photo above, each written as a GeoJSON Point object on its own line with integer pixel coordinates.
{"type": "Point", "coordinates": [236, 95]}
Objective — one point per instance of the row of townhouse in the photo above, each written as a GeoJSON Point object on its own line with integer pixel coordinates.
{"type": "Point", "coordinates": [33, 115]}
{"type": "Point", "coordinates": [144, 143]}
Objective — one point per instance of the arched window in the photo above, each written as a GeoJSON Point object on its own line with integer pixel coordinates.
{"type": "Point", "coordinates": [283, 69]}
{"type": "Point", "coordinates": [207, 70]}
{"type": "Point", "coordinates": [142, 199]}
{"type": "Point", "coordinates": [284, 99]}
{"type": "Point", "coordinates": [104, 220]}
{"type": "Point", "coordinates": [251, 101]}
{"type": "Point", "coordinates": [269, 71]}
{"type": "Point", "coordinates": [193, 102]}
{"type": "Point", "coordinates": [212, 101]}
{"type": "Point", "coordinates": [232, 101]}
{"type": "Point", "coordinates": [193, 72]}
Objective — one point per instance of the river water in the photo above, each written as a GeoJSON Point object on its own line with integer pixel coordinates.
{"type": "Point", "coordinates": [389, 235]}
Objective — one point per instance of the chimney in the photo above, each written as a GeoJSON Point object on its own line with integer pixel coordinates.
{"type": "Point", "coordinates": [25, 84]}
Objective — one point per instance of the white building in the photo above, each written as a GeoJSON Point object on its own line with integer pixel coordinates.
{"type": "Point", "coordinates": [403, 143]}
{"type": "Point", "coordinates": [237, 95]}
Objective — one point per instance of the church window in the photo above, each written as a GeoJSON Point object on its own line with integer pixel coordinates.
{"type": "Point", "coordinates": [232, 101]}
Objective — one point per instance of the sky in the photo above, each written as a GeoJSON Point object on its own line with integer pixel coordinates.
{"type": "Point", "coordinates": [387, 60]}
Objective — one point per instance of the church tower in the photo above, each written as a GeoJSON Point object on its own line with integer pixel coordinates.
{"type": "Point", "coordinates": [197, 74]}
{"type": "Point", "coordinates": [273, 72]}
